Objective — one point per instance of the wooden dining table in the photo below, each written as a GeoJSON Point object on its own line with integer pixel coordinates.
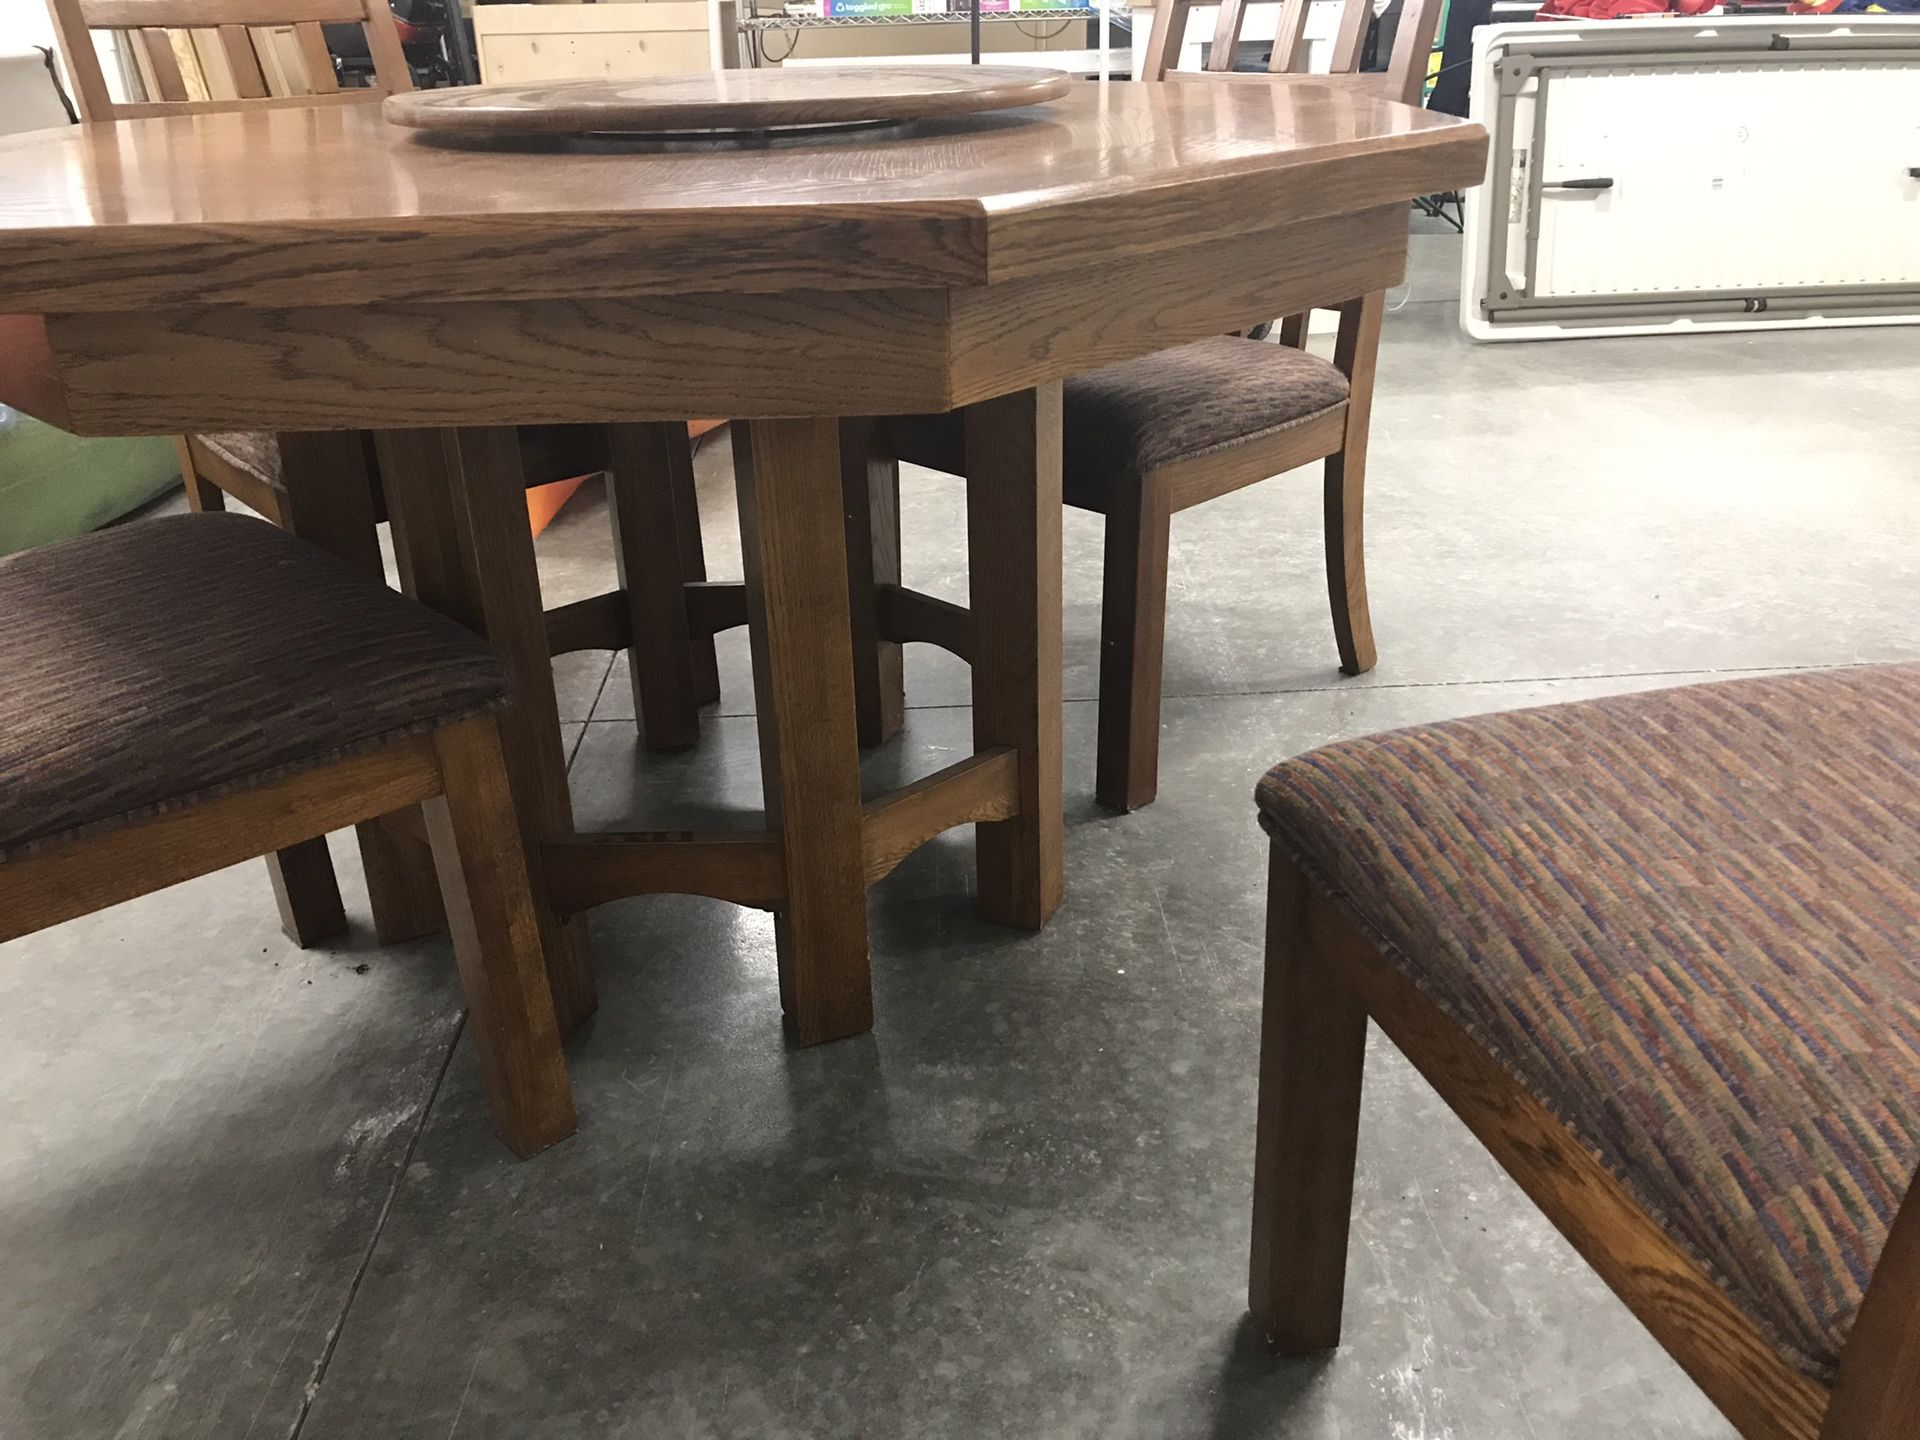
{"type": "Point", "coordinates": [317, 272]}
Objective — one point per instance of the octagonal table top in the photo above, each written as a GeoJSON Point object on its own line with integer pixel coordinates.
{"type": "Point", "coordinates": [331, 205]}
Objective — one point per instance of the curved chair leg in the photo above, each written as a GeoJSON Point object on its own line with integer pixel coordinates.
{"type": "Point", "coordinates": [1347, 562]}
{"type": "Point", "coordinates": [1313, 1043]}
{"type": "Point", "coordinates": [1133, 633]}
{"type": "Point", "coordinates": [1356, 352]}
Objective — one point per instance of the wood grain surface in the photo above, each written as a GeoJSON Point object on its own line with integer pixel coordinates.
{"type": "Point", "coordinates": [726, 100]}
{"type": "Point", "coordinates": [331, 206]}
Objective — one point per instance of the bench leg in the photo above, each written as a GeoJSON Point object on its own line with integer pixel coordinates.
{"type": "Point", "coordinates": [496, 938]}
{"type": "Point", "coordinates": [1313, 1040]}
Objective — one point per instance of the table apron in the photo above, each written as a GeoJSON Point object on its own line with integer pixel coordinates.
{"type": "Point", "coordinates": [798, 354]}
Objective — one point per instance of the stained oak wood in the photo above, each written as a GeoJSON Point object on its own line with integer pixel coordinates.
{"type": "Point", "coordinates": [154, 24]}
{"type": "Point", "coordinates": [764, 99]}
{"type": "Point", "coordinates": [983, 788]}
{"type": "Point", "coordinates": [589, 870]}
{"type": "Point", "coordinates": [1719, 1346]}
{"type": "Point", "coordinates": [870, 483]}
{"type": "Point", "coordinates": [496, 938]}
{"type": "Point", "coordinates": [326, 498]}
{"type": "Point", "coordinates": [902, 615]}
{"type": "Point", "coordinates": [1313, 1044]}
{"type": "Point", "coordinates": [210, 272]}
{"type": "Point", "coordinates": [456, 499]}
{"type": "Point", "coordinates": [1356, 352]}
{"type": "Point", "coordinates": [716, 605]}
{"type": "Point", "coordinates": [56, 885]}
{"type": "Point", "coordinates": [179, 14]}
{"type": "Point", "coordinates": [620, 360]}
{"type": "Point", "coordinates": [210, 211]}
{"type": "Point", "coordinates": [1877, 1396]}
{"type": "Point", "coordinates": [693, 562]}
{"type": "Point", "coordinates": [1133, 632]}
{"type": "Point", "coordinates": [793, 542]}
{"type": "Point", "coordinates": [595, 622]}
{"type": "Point", "coordinates": [646, 471]}
{"type": "Point", "coordinates": [1013, 575]}
{"type": "Point", "coordinates": [307, 893]}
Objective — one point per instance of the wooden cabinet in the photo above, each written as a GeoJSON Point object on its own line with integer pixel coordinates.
{"type": "Point", "coordinates": [523, 43]}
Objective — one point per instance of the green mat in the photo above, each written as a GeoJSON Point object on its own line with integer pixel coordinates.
{"type": "Point", "coordinates": [54, 485]}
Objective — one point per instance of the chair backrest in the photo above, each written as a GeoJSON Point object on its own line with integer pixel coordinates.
{"type": "Point", "coordinates": [1406, 71]}
{"type": "Point", "coordinates": [199, 56]}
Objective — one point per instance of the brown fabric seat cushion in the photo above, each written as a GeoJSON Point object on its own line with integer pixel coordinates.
{"type": "Point", "coordinates": [174, 660]}
{"type": "Point", "coordinates": [1130, 418]}
{"type": "Point", "coordinates": [1689, 922]}
{"type": "Point", "coordinates": [549, 452]}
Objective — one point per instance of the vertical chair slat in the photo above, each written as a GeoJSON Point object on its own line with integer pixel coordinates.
{"type": "Point", "coordinates": [1351, 38]}
{"type": "Point", "coordinates": [316, 58]}
{"type": "Point", "coordinates": [1289, 47]}
{"type": "Point", "coordinates": [1227, 23]}
{"type": "Point", "coordinates": [236, 43]}
{"type": "Point", "coordinates": [162, 68]}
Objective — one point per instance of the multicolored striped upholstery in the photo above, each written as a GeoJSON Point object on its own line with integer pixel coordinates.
{"type": "Point", "coordinates": [1689, 922]}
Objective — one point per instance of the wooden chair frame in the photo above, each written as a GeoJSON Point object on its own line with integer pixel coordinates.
{"type": "Point", "coordinates": [1324, 979]}
{"type": "Point", "coordinates": [1139, 518]}
{"type": "Point", "coordinates": [459, 775]}
{"type": "Point", "coordinates": [649, 467]}
{"type": "Point", "coordinates": [234, 31]}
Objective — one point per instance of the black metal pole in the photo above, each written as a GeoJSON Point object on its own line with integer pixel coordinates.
{"type": "Point", "coordinates": [975, 27]}
{"type": "Point", "coordinates": [466, 70]}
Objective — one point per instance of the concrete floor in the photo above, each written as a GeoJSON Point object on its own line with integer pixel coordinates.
{"type": "Point", "coordinates": [250, 1191]}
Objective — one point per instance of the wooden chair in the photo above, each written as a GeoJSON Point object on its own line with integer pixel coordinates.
{"type": "Point", "coordinates": [186, 693]}
{"type": "Point", "coordinates": [1151, 437]}
{"type": "Point", "coordinates": [209, 56]}
{"type": "Point", "coordinates": [206, 56]}
{"type": "Point", "coordinates": [1658, 953]}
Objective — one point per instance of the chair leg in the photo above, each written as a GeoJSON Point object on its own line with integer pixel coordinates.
{"type": "Point", "coordinates": [1133, 632]}
{"type": "Point", "coordinates": [693, 569]}
{"type": "Point", "coordinates": [307, 893]}
{"type": "Point", "coordinates": [328, 500]}
{"type": "Point", "coordinates": [304, 886]}
{"type": "Point", "coordinates": [643, 481]}
{"type": "Point", "coordinates": [1355, 353]}
{"type": "Point", "coordinates": [1347, 563]}
{"type": "Point", "coordinates": [870, 486]}
{"type": "Point", "coordinates": [202, 494]}
{"type": "Point", "coordinates": [1313, 1041]}
{"type": "Point", "coordinates": [496, 938]}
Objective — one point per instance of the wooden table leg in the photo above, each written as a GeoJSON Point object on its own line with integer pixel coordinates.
{"type": "Point", "coordinates": [871, 483]}
{"type": "Point", "coordinates": [329, 501]}
{"type": "Point", "coordinates": [1013, 563]}
{"type": "Point", "coordinates": [457, 500]}
{"type": "Point", "coordinates": [793, 541]}
{"type": "Point", "coordinates": [643, 479]}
